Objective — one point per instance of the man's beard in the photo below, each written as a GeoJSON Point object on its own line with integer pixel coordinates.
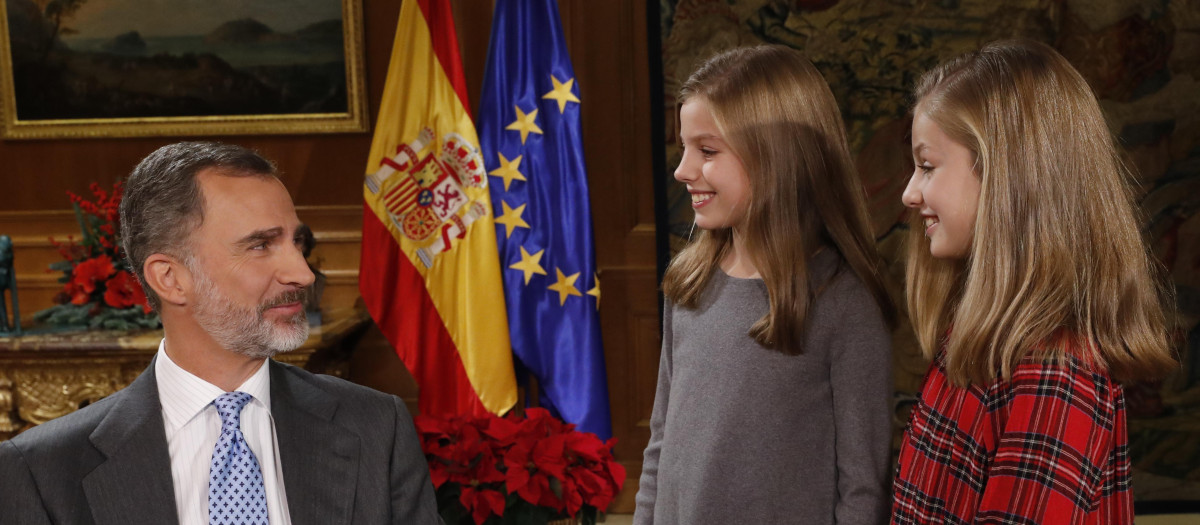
{"type": "Point", "coordinates": [245, 330]}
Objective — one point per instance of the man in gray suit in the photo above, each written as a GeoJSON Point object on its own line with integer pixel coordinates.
{"type": "Point", "coordinates": [213, 237]}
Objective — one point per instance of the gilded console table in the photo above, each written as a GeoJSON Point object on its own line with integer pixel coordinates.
{"type": "Point", "coordinates": [46, 376]}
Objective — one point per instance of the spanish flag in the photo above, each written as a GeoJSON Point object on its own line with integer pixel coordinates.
{"type": "Point", "coordinates": [430, 274]}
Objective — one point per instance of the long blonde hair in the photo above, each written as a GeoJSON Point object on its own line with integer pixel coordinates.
{"type": "Point", "coordinates": [781, 120]}
{"type": "Point", "coordinates": [1057, 264]}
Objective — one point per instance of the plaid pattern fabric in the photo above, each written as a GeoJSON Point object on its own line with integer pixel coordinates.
{"type": "Point", "coordinates": [1048, 447]}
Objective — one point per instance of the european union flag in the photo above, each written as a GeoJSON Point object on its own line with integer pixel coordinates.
{"type": "Point", "coordinates": [533, 149]}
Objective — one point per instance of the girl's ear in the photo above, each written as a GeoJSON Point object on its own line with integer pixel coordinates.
{"type": "Point", "coordinates": [169, 278]}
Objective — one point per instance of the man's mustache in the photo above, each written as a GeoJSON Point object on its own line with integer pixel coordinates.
{"type": "Point", "coordinates": [296, 295]}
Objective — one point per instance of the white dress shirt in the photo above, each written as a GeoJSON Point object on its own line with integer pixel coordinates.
{"type": "Point", "coordinates": [193, 425]}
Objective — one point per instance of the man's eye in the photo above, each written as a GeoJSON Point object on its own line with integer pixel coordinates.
{"type": "Point", "coordinates": [260, 246]}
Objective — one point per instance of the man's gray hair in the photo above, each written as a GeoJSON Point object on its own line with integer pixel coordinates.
{"type": "Point", "coordinates": [163, 203]}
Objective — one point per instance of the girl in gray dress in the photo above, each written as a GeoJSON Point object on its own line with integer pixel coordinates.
{"type": "Point", "coordinates": [775, 375]}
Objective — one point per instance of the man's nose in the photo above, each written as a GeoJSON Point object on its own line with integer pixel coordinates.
{"type": "Point", "coordinates": [295, 270]}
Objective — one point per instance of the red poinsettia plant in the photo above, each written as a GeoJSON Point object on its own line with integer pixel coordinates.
{"type": "Point", "coordinates": [99, 290]}
{"type": "Point", "coordinates": [517, 470]}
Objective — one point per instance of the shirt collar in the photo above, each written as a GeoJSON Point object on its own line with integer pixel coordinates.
{"type": "Point", "coordinates": [184, 396]}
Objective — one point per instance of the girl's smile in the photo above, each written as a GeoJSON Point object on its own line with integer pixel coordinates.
{"type": "Point", "coordinates": [930, 222]}
{"type": "Point", "coordinates": [944, 189]}
{"type": "Point", "coordinates": [716, 178]}
{"type": "Point", "coordinates": [700, 198]}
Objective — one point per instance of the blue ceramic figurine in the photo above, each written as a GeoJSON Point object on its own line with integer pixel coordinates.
{"type": "Point", "coordinates": [8, 281]}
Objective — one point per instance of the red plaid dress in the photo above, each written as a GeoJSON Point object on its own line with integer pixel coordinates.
{"type": "Point", "coordinates": [1049, 446]}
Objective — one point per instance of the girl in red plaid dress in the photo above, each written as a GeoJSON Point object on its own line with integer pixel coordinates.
{"type": "Point", "coordinates": [1031, 289]}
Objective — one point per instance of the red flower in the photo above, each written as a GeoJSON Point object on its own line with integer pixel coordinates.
{"type": "Point", "coordinates": [543, 461]}
{"type": "Point", "coordinates": [69, 250]}
{"type": "Point", "coordinates": [538, 421]}
{"type": "Point", "coordinates": [593, 488]}
{"type": "Point", "coordinates": [572, 499]}
{"type": "Point", "coordinates": [503, 432]}
{"type": "Point", "coordinates": [592, 470]}
{"type": "Point", "coordinates": [587, 447]}
{"type": "Point", "coordinates": [88, 272]}
{"type": "Point", "coordinates": [530, 465]}
{"type": "Point", "coordinates": [616, 471]}
{"type": "Point", "coordinates": [481, 502]}
{"type": "Point", "coordinates": [74, 294]}
{"type": "Point", "coordinates": [456, 452]}
{"type": "Point", "coordinates": [92, 266]}
{"type": "Point", "coordinates": [123, 291]}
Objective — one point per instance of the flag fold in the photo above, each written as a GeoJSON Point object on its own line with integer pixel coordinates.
{"type": "Point", "coordinates": [531, 139]}
{"type": "Point", "coordinates": [429, 273]}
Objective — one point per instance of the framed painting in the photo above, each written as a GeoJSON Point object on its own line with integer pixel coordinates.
{"type": "Point", "coordinates": [125, 68]}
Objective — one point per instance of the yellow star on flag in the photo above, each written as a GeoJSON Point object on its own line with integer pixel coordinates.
{"type": "Point", "coordinates": [561, 93]}
{"type": "Point", "coordinates": [508, 170]}
{"type": "Point", "coordinates": [512, 219]}
{"type": "Point", "coordinates": [525, 123]}
{"type": "Point", "coordinates": [565, 286]}
{"type": "Point", "coordinates": [530, 264]}
{"type": "Point", "coordinates": [595, 291]}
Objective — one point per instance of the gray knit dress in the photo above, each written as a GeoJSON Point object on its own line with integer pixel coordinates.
{"type": "Point", "coordinates": [744, 434]}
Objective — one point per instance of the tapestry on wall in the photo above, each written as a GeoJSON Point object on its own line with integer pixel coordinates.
{"type": "Point", "coordinates": [1142, 57]}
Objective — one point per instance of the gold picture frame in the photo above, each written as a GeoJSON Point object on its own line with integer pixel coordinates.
{"type": "Point", "coordinates": [103, 67]}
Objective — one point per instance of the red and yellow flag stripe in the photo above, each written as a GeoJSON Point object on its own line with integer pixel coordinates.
{"type": "Point", "coordinates": [430, 274]}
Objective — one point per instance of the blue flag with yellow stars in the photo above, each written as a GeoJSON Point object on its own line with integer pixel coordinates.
{"type": "Point", "coordinates": [532, 146]}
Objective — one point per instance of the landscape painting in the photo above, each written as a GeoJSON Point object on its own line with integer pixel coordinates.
{"type": "Point", "coordinates": [104, 68]}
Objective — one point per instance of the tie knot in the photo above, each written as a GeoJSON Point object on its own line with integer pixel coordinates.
{"type": "Point", "coordinates": [229, 405]}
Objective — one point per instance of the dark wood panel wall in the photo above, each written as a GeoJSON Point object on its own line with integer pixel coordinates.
{"type": "Point", "coordinates": [608, 44]}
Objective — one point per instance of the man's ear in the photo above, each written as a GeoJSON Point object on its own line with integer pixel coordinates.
{"type": "Point", "coordinates": [169, 278]}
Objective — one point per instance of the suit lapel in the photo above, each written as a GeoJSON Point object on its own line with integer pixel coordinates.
{"type": "Point", "coordinates": [319, 457]}
{"type": "Point", "coordinates": [133, 483]}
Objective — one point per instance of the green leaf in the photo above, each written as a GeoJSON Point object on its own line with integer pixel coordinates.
{"type": "Point", "coordinates": [149, 321]}
{"type": "Point", "coordinates": [587, 515]}
{"type": "Point", "coordinates": [88, 239]}
{"type": "Point", "coordinates": [63, 314]}
{"type": "Point", "coordinates": [42, 315]}
{"type": "Point", "coordinates": [449, 508]}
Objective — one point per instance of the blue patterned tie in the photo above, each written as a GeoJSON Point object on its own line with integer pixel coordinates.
{"type": "Point", "coordinates": [235, 483]}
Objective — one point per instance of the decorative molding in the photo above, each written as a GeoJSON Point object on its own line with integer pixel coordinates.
{"type": "Point", "coordinates": [43, 377]}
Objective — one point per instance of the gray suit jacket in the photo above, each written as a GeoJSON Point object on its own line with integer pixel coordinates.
{"type": "Point", "coordinates": [349, 455]}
